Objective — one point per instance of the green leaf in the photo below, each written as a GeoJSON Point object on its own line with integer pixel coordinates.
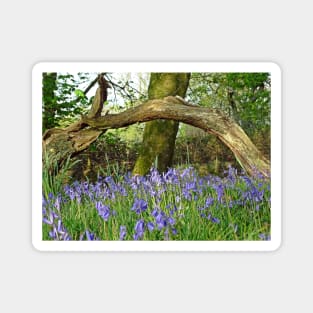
{"type": "Point", "coordinates": [79, 93]}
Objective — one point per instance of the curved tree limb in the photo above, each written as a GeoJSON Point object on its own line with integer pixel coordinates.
{"type": "Point", "coordinates": [212, 121]}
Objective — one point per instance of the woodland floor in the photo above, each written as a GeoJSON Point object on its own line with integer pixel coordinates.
{"type": "Point", "coordinates": [205, 153]}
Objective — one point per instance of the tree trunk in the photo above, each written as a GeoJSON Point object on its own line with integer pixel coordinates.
{"type": "Point", "coordinates": [159, 136]}
{"type": "Point", "coordinates": [49, 86]}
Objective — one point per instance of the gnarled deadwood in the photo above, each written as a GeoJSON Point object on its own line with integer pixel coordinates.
{"type": "Point", "coordinates": [173, 108]}
{"type": "Point", "coordinates": [64, 143]}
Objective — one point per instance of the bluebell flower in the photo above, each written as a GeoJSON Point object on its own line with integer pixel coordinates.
{"type": "Point", "coordinates": [89, 236]}
{"type": "Point", "coordinates": [155, 212]}
{"type": "Point", "coordinates": [97, 190]}
{"type": "Point", "coordinates": [44, 201]}
{"type": "Point", "coordinates": [247, 180]}
{"type": "Point", "coordinates": [171, 176]}
{"type": "Point", "coordinates": [109, 180]}
{"type": "Point", "coordinates": [47, 221]}
{"type": "Point", "coordinates": [66, 189]}
{"type": "Point", "coordinates": [215, 220]}
{"type": "Point", "coordinates": [123, 232]}
{"type": "Point", "coordinates": [188, 172]}
{"type": "Point", "coordinates": [192, 186]}
{"type": "Point", "coordinates": [220, 192]}
{"type": "Point", "coordinates": [105, 213]}
{"type": "Point", "coordinates": [85, 186]}
{"type": "Point", "coordinates": [71, 194]}
{"type": "Point", "coordinates": [161, 220]}
{"type": "Point", "coordinates": [53, 234]}
{"type": "Point", "coordinates": [232, 174]}
{"type": "Point", "coordinates": [139, 206]}
{"type": "Point", "coordinates": [67, 237]}
{"type": "Point", "coordinates": [48, 218]}
{"type": "Point", "coordinates": [186, 193]}
{"type": "Point", "coordinates": [174, 231]}
{"type": "Point", "coordinates": [122, 191]}
{"type": "Point", "coordinates": [60, 227]}
{"type": "Point", "coordinates": [264, 237]}
{"type": "Point", "coordinates": [150, 226]}
{"type": "Point", "coordinates": [62, 232]}
{"type": "Point", "coordinates": [103, 210]}
{"type": "Point", "coordinates": [58, 232]}
{"type": "Point", "coordinates": [172, 212]}
{"type": "Point", "coordinates": [208, 202]}
{"type": "Point", "coordinates": [139, 229]}
{"type": "Point", "coordinates": [155, 177]}
{"type": "Point", "coordinates": [137, 236]}
{"type": "Point", "coordinates": [136, 181]}
{"type": "Point", "coordinates": [171, 220]}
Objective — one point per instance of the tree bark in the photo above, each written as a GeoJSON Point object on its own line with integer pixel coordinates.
{"type": "Point", "coordinates": [80, 135]}
{"type": "Point", "coordinates": [159, 135]}
{"type": "Point", "coordinates": [49, 86]}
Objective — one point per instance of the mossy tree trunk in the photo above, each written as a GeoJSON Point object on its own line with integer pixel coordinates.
{"type": "Point", "coordinates": [159, 136]}
{"type": "Point", "coordinates": [49, 86]}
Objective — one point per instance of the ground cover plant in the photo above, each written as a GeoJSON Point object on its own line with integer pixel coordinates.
{"type": "Point", "coordinates": [175, 205]}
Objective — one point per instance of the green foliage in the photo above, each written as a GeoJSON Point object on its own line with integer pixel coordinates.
{"type": "Point", "coordinates": [63, 98]}
{"type": "Point", "coordinates": [55, 176]}
{"type": "Point", "coordinates": [246, 97]}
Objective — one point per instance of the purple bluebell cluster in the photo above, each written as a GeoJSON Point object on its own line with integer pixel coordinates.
{"type": "Point", "coordinates": [163, 222]}
{"type": "Point", "coordinates": [52, 217]}
{"type": "Point", "coordinates": [158, 206]}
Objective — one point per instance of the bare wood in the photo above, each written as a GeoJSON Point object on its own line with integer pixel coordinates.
{"type": "Point", "coordinates": [100, 97]}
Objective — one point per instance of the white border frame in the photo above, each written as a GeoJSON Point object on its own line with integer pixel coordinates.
{"type": "Point", "coordinates": [73, 67]}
